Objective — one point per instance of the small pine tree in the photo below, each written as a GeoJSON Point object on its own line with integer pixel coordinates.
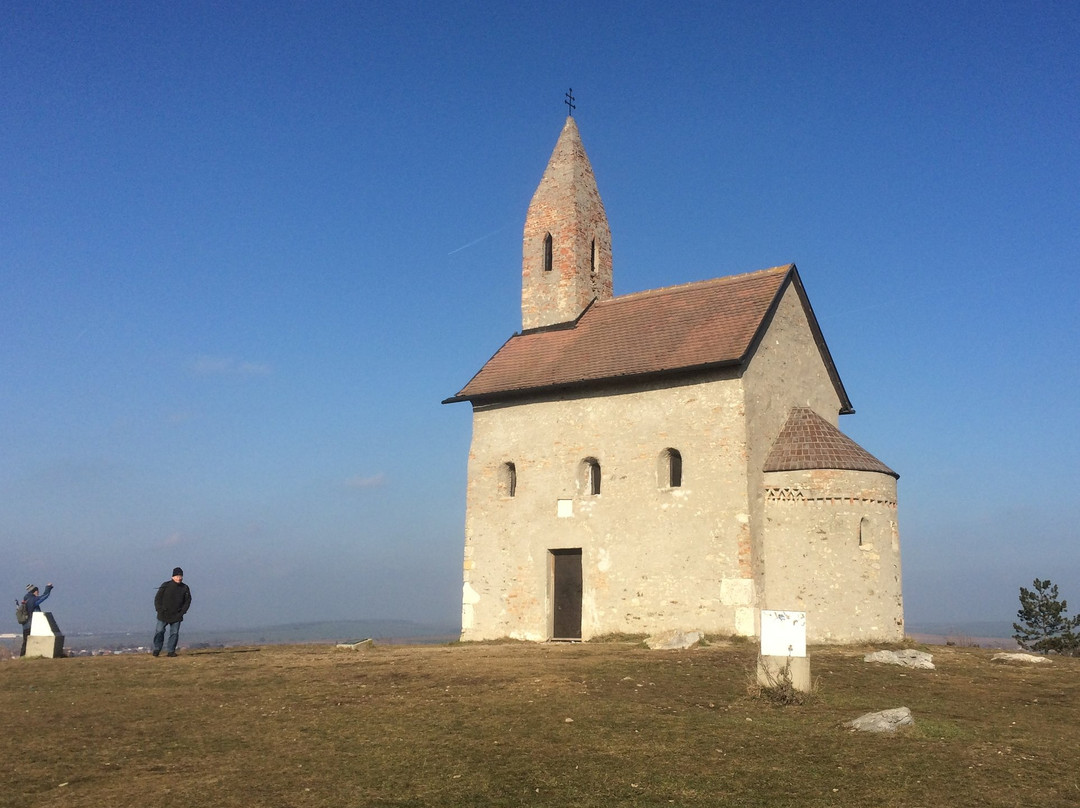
{"type": "Point", "coordinates": [1044, 626]}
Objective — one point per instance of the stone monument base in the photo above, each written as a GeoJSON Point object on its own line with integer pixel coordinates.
{"type": "Point", "coordinates": [48, 647]}
{"type": "Point", "coordinates": [45, 639]}
{"type": "Point", "coordinates": [771, 671]}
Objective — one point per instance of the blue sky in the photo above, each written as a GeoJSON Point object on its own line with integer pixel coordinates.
{"type": "Point", "coordinates": [247, 249]}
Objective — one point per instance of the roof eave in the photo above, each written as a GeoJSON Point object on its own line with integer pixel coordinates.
{"type": "Point", "coordinates": [815, 467]}
{"type": "Point", "coordinates": [498, 396]}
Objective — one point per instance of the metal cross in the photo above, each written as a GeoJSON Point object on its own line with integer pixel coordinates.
{"type": "Point", "coordinates": [570, 101]}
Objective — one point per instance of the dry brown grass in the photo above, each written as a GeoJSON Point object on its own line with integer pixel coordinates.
{"type": "Point", "coordinates": [517, 724]}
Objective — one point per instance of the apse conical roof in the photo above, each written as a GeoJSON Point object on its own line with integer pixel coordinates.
{"type": "Point", "coordinates": [808, 441]}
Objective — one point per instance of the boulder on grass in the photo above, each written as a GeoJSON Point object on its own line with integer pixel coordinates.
{"type": "Point", "coordinates": [884, 721]}
{"type": "Point", "coordinates": [1022, 659]}
{"type": "Point", "coordinates": [909, 659]}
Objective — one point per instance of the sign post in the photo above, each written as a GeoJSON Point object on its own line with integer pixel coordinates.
{"type": "Point", "coordinates": [783, 650]}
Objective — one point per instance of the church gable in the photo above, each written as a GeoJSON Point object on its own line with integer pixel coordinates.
{"type": "Point", "coordinates": [793, 306]}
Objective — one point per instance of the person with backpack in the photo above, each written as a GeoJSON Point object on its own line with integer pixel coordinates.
{"type": "Point", "coordinates": [172, 601]}
{"type": "Point", "coordinates": [32, 602]}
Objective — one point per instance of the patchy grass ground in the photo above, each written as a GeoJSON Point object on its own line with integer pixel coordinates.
{"type": "Point", "coordinates": [597, 724]}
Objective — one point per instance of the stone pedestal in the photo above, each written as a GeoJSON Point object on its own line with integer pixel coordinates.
{"type": "Point", "coordinates": [771, 671]}
{"type": "Point", "coordinates": [45, 639]}
{"type": "Point", "coordinates": [783, 650]}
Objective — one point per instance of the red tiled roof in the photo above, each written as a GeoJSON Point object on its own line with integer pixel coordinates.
{"type": "Point", "coordinates": [808, 441]}
{"type": "Point", "coordinates": [695, 325]}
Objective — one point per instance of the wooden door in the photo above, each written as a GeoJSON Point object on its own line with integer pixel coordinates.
{"type": "Point", "coordinates": [566, 594]}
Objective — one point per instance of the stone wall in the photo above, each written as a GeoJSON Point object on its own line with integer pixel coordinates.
{"type": "Point", "coordinates": [787, 370]}
{"type": "Point", "coordinates": [653, 557]}
{"type": "Point", "coordinates": [832, 549]}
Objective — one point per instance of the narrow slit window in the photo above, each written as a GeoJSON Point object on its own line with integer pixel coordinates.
{"type": "Point", "coordinates": [547, 253]}
{"type": "Point", "coordinates": [590, 476]}
{"type": "Point", "coordinates": [669, 474]}
{"type": "Point", "coordinates": [674, 469]}
{"type": "Point", "coordinates": [593, 257]}
{"type": "Point", "coordinates": [508, 480]}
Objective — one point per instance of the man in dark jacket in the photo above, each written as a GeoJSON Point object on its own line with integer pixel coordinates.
{"type": "Point", "coordinates": [172, 601]}
{"type": "Point", "coordinates": [33, 604]}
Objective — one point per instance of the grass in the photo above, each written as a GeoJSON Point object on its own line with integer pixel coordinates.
{"type": "Point", "coordinates": [597, 724]}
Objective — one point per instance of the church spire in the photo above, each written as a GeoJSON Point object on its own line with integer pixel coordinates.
{"type": "Point", "coordinates": [566, 249]}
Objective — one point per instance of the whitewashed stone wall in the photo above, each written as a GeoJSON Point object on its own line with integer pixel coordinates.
{"type": "Point", "coordinates": [832, 549]}
{"type": "Point", "coordinates": [806, 559]}
{"type": "Point", "coordinates": [653, 557]}
{"type": "Point", "coordinates": [786, 370]}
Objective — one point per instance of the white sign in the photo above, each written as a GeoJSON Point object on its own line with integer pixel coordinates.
{"type": "Point", "coordinates": [783, 633]}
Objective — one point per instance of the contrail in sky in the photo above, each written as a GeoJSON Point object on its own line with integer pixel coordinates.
{"type": "Point", "coordinates": [476, 241]}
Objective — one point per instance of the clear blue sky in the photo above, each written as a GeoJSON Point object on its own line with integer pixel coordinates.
{"type": "Point", "coordinates": [247, 248]}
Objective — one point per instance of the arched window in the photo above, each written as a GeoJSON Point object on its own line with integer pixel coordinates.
{"type": "Point", "coordinates": [669, 469]}
{"type": "Point", "coordinates": [508, 480]}
{"type": "Point", "coordinates": [864, 532]}
{"type": "Point", "coordinates": [590, 476]}
{"type": "Point", "coordinates": [547, 253]}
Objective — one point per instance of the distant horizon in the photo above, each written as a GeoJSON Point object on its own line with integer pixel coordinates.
{"type": "Point", "coordinates": [989, 634]}
{"type": "Point", "coordinates": [983, 628]}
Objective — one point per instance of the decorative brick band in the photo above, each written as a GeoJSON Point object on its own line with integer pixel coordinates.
{"type": "Point", "coordinates": [798, 495]}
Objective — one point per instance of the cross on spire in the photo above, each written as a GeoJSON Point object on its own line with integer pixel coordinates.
{"type": "Point", "coordinates": [570, 101]}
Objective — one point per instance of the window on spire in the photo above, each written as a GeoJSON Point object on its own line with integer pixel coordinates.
{"type": "Point", "coordinates": [547, 253]}
{"type": "Point", "coordinates": [508, 480]}
{"type": "Point", "coordinates": [593, 257]}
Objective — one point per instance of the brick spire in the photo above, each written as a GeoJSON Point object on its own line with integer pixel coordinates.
{"type": "Point", "coordinates": [566, 249]}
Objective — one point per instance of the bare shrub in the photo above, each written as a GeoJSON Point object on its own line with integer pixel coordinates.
{"type": "Point", "coordinates": [778, 688]}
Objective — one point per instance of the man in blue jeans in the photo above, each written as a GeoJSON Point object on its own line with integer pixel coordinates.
{"type": "Point", "coordinates": [172, 601]}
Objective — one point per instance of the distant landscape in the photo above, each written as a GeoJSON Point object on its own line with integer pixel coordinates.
{"type": "Point", "coordinates": [386, 632]}
{"type": "Point", "coordinates": [986, 634]}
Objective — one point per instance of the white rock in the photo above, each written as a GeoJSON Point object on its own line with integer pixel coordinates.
{"type": "Point", "coordinates": [909, 659]}
{"type": "Point", "coordinates": [1027, 659]}
{"type": "Point", "coordinates": [673, 639]}
{"type": "Point", "coordinates": [884, 721]}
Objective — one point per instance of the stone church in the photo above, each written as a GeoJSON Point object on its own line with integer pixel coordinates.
{"type": "Point", "coordinates": [667, 459]}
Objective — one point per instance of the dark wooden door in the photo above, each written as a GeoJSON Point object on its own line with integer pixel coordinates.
{"type": "Point", "coordinates": [566, 594]}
